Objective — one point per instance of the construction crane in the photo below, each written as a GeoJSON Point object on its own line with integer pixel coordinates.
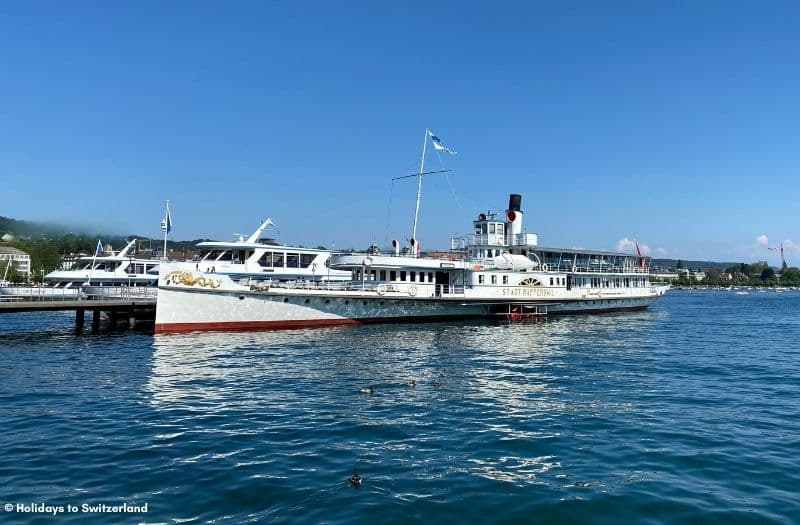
{"type": "Point", "coordinates": [783, 261]}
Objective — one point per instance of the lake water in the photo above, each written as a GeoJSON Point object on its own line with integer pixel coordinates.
{"type": "Point", "coordinates": [688, 412]}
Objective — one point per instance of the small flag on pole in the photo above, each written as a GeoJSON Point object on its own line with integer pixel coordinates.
{"type": "Point", "coordinates": [437, 144]}
{"type": "Point", "coordinates": [99, 250]}
{"type": "Point", "coordinates": [166, 224]}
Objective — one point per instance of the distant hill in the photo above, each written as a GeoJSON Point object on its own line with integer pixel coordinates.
{"type": "Point", "coordinates": [29, 229]}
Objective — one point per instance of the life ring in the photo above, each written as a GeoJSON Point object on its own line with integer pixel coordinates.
{"type": "Point", "coordinates": [367, 261]}
{"type": "Point", "coordinates": [574, 268]}
{"type": "Point", "coordinates": [412, 291]}
{"type": "Point", "coordinates": [380, 289]}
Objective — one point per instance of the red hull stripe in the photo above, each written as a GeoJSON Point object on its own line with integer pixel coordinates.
{"type": "Point", "coordinates": [303, 323]}
{"type": "Point", "coordinates": [236, 326]}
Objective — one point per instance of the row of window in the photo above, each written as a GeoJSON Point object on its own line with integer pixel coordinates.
{"type": "Point", "coordinates": [286, 260]}
{"type": "Point", "coordinates": [594, 282]}
{"type": "Point", "coordinates": [484, 253]}
{"type": "Point", "coordinates": [394, 276]}
{"type": "Point", "coordinates": [492, 279]}
{"type": "Point", "coordinates": [269, 259]}
{"type": "Point", "coordinates": [492, 227]}
{"type": "Point", "coordinates": [610, 282]}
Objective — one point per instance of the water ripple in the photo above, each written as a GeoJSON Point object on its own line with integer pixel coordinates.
{"type": "Point", "coordinates": [683, 413]}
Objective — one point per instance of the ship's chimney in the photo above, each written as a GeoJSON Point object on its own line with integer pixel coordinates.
{"type": "Point", "coordinates": [514, 217]}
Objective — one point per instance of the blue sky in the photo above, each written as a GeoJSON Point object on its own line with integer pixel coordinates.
{"type": "Point", "coordinates": [673, 123]}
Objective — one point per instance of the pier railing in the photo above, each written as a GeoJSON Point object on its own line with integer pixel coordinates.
{"type": "Point", "coordinates": [52, 293]}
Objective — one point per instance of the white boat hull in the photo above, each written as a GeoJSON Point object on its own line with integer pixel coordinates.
{"type": "Point", "coordinates": [183, 308]}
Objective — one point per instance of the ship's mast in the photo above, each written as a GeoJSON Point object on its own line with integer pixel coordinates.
{"type": "Point", "coordinates": [419, 185]}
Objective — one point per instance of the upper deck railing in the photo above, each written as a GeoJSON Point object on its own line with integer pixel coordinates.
{"type": "Point", "coordinates": [493, 239]}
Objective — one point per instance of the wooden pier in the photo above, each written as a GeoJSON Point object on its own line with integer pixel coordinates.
{"type": "Point", "coordinates": [127, 311]}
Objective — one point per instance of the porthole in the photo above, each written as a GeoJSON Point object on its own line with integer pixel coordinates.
{"type": "Point", "coordinates": [364, 303]}
{"type": "Point", "coordinates": [347, 301]}
{"type": "Point", "coordinates": [241, 297]}
{"type": "Point", "coordinates": [381, 303]}
{"type": "Point", "coordinates": [327, 301]}
{"type": "Point", "coordinates": [285, 299]}
{"type": "Point", "coordinates": [308, 301]}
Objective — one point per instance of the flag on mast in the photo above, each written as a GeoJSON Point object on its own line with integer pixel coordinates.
{"type": "Point", "coordinates": [639, 254]}
{"type": "Point", "coordinates": [437, 144]}
{"type": "Point", "coordinates": [166, 223]}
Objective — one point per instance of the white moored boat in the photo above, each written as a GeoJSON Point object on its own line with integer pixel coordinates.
{"type": "Point", "coordinates": [497, 271]}
{"type": "Point", "coordinates": [113, 274]}
{"type": "Point", "coordinates": [259, 259]}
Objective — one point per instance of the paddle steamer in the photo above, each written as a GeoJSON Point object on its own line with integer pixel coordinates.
{"type": "Point", "coordinates": [497, 270]}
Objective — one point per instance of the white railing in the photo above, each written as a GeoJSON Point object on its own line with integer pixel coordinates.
{"type": "Point", "coordinates": [349, 286]}
{"type": "Point", "coordinates": [379, 288]}
{"type": "Point", "coordinates": [118, 292]}
{"type": "Point", "coordinates": [53, 293]}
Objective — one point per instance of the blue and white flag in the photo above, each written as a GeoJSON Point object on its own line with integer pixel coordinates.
{"type": "Point", "coordinates": [166, 224]}
{"type": "Point", "coordinates": [99, 250]}
{"type": "Point", "coordinates": [437, 144]}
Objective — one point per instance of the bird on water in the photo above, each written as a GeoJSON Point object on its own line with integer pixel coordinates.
{"type": "Point", "coordinates": [367, 390]}
{"type": "Point", "coordinates": [356, 479]}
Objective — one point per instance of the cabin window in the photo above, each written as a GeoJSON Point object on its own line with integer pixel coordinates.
{"type": "Point", "coordinates": [430, 277]}
{"type": "Point", "coordinates": [551, 281]}
{"type": "Point", "coordinates": [393, 275]}
{"type": "Point", "coordinates": [383, 275]}
{"type": "Point", "coordinates": [293, 260]}
{"type": "Point", "coordinates": [372, 274]}
{"type": "Point", "coordinates": [494, 279]}
{"type": "Point", "coordinates": [271, 260]}
{"type": "Point", "coordinates": [477, 229]}
{"type": "Point", "coordinates": [306, 259]}
{"type": "Point", "coordinates": [413, 277]}
{"type": "Point", "coordinates": [422, 277]}
{"type": "Point", "coordinates": [402, 275]}
{"type": "Point", "coordinates": [480, 279]}
{"type": "Point", "coordinates": [505, 279]}
{"type": "Point", "coordinates": [500, 228]}
{"type": "Point", "coordinates": [491, 228]}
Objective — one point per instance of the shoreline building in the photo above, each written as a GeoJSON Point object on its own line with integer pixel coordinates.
{"type": "Point", "coordinates": [20, 260]}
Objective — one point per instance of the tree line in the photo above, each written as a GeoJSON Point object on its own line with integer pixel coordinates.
{"type": "Point", "coordinates": [756, 274]}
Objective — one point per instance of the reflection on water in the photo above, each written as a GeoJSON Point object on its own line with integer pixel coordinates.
{"type": "Point", "coordinates": [490, 383]}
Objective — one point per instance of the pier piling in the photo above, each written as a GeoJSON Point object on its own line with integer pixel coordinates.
{"type": "Point", "coordinates": [80, 315]}
{"type": "Point", "coordinates": [96, 321]}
